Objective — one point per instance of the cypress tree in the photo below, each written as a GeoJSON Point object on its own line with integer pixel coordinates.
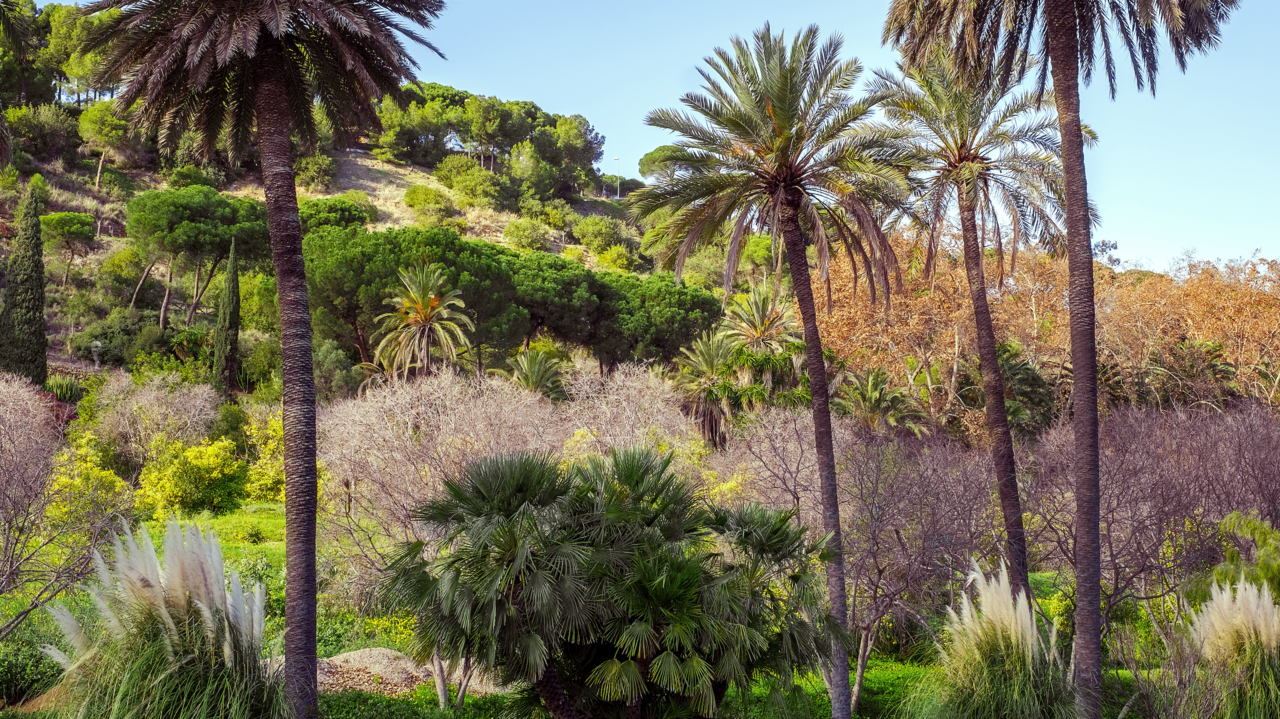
{"type": "Point", "coordinates": [226, 337]}
{"type": "Point", "coordinates": [23, 341]}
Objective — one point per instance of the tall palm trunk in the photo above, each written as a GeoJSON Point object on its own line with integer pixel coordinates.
{"type": "Point", "coordinates": [1063, 48]}
{"type": "Point", "coordinates": [276, 157]}
{"type": "Point", "coordinates": [993, 388]}
{"type": "Point", "coordinates": [794, 239]}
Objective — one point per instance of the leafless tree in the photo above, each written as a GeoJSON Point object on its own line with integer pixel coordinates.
{"type": "Point", "coordinates": [46, 533]}
{"type": "Point", "coordinates": [386, 453]}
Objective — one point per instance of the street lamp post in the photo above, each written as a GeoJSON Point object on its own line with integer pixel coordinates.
{"type": "Point", "coordinates": [618, 195]}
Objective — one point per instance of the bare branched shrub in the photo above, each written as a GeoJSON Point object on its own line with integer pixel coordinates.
{"type": "Point", "coordinates": [915, 511]}
{"type": "Point", "coordinates": [28, 441]}
{"type": "Point", "coordinates": [49, 523]}
{"type": "Point", "coordinates": [132, 416]}
{"type": "Point", "coordinates": [386, 453]}
{"type": "Point", "coordinates": [1167, 481]}
{"type": "Point", "coordinates": [774, 460]}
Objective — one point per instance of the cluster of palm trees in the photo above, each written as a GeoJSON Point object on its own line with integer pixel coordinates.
{"type": "Point", "coordinates": [777, 143]}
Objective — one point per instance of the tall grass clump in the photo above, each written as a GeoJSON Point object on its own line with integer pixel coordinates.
{"type": "Point", "coordinates": [172, 640]}
{"type": "Point", "coordinates": [995, 661]}
{"type": "Point", "coordinates": [1239, 634]}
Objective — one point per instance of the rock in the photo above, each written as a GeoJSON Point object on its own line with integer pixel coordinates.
{"type": "Point", "coordinates": [379, 671]}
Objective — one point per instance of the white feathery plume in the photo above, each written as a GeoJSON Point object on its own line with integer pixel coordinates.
{"type": "Point", "coordinates": [1232, 621]}
{"type": "Point", "coordinates": [139, 589]}
{"type": "Point", "coordinates": [70, 628]}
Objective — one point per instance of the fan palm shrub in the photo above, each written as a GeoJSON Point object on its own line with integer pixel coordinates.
{"type": "Point", "coordinates": [225, 70]}
{"type": "Point", "coordinates": [996, 661]}
{"type": "Point", "coordinates": [993, 38]}
{"type": "Point", "coordinates": [536, 371]}
{"type": "Point", "coordinates": [428, 314]}
{"type": "Point", "coordinates": [600, 587]}
{"type": "Point", "coordinates": [178, 638]}
{"type": "Point", "coordinates": [777, 142]}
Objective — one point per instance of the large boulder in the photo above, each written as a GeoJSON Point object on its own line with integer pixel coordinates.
{"type": "Point", "coordinates": [379, 671]}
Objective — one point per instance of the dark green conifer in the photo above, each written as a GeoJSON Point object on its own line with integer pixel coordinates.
{"type": "Point", "coordinates": [226, 338]}
{"type": "Point", "coordinates": [23, 341]}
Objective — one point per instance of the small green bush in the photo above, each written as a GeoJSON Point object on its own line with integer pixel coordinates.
{"type": "Point", "coordinates": [46, 132]}
{"type": "Point", "coordinates": [316, 173]}
{"type": "Point", "coordinates": [421, 196]}
{"type": "Point", "coordinates": [117, 185]}
{"type": "Point", "coordinates": [617, 257]}
{"type": "Point", "coordinates": [387, 155]}
{"type": "Point", "coordinates": [478, 187]}
{"type": "Point", "coordinates": [335, 374]}
{"type": "Point", "coordinates": [25, 671]}
{"type": "Point", "coordinates": [574, 253]}
{"type": "Point", "coordinates": [232, 423]}
{"type": "Point", "coordinates": [189, 175]}
{"type": "Point", "coordinates": [330, 212]}
{"type": "Point", "coordinates": [264, 362]}
{"type": "Point", "coordinates": [599, 233]}
{"type": "Point", "coordinates": [360, 199]}
{"type": "Point", "coordinates": [189, 480]}
{"type": "Point", "coordinates": [432, 206]}
{"type": "Point", "coordinates": [266, 474]}
{"type": "Point", "coordinates": [453, 166]}
{"type": "Point", "coordinates": [124, 335]}
{"type": "Point", "coordinates": [528, 234]}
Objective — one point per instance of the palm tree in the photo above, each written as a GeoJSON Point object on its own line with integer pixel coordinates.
{"type": "Point", "coordinates": [13, 27]}
{"type": "Point", "coordinates": [702, 378]}
{"type": "Point", "coordinates": [536, 371]}
{"type": "Point", "coordinates": [994, 37]}
{"type": "Point", "coordinates": [760, 321]}
{"type": "Point", "coordinates": [988, 152]}
{"type": "Point", "coordinates": [778, 142]}
{"type": "Point", "coordinates": [424, 317]}
{"type": "Point", "coordinates": [880, 405]}
{"type": "Point", "coordinates": [222, 69]}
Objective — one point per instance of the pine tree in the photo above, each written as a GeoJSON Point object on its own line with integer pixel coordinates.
{"type": "Point", "coordinates": [226, 337]}
{"type": "Point", "coordinates": [23, 341]}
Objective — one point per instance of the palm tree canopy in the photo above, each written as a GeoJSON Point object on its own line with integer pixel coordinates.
{"type": "Point", "coordinates": [775, 122]}
{"type": "Point", "coordinates": [536, 371]}
{"type": "Point", "coordinates": [762, 322]}
{"type": "Point", "coordinates": [192, 63]}
{"type": "Point", "coordinates": [427, 314]}
{"type": "Point", "coordinates": [997, 35]}
{"type": "Point", "coordinates": [877, 403]}
{"type": "Point", "coordinates": [999, 147]}
{"type": "Point", "coordinates": [13, 26]}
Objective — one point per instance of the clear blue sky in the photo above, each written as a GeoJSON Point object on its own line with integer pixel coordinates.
{"type": "Point", "coordinates": [1177, 172]}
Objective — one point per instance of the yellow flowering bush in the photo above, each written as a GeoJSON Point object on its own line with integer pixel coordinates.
{"type": "Point", "coordinates": [188, 480]}
{"type": "Point", "coordinates": [84, 489]}
{"type": "Point", "coordinates": [266, 476]}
